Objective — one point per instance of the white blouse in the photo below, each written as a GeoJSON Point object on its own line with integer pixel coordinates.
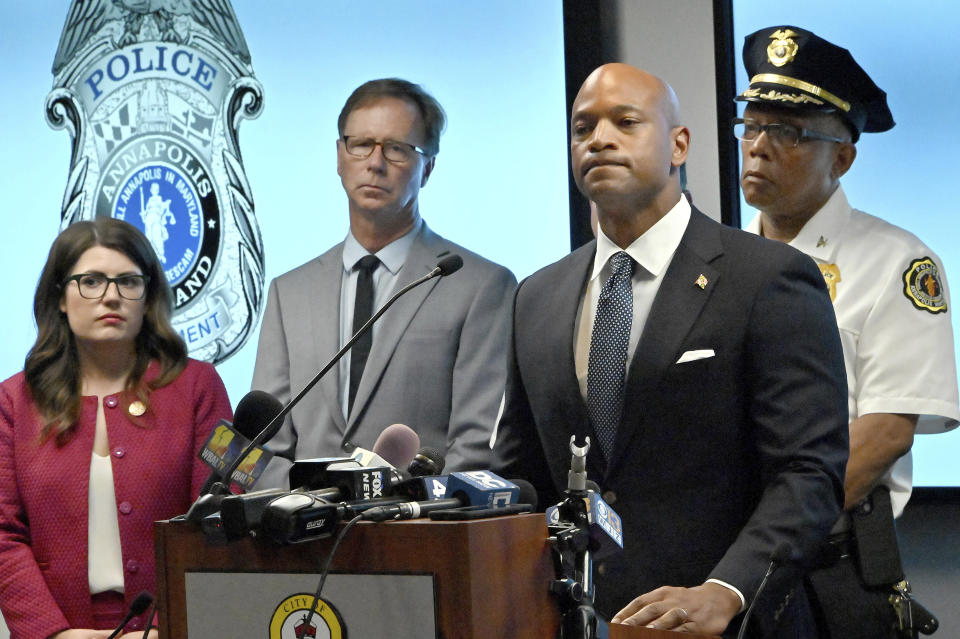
{"type": "Point", "coordinates": [104, 558]}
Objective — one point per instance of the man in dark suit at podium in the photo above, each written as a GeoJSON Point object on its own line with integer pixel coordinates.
{"type": "Point", "coordinates": [706, 368]}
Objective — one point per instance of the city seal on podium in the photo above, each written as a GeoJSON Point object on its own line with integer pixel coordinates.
{"type": "Point", "coordinates": [152, 93]}
{"type": "Point", "coordinates": [290, 619]}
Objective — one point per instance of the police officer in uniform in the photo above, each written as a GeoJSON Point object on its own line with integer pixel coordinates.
{"type": "Point", "coordinates": [807, 104]}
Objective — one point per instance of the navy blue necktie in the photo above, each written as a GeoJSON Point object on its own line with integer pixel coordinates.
{"type": "Point", "coordinates": [606, 370]}
{"type": "Point", "coordinates": [362, 310]}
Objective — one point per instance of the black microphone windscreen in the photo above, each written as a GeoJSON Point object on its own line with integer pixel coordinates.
{"type": "Point", "coordinates": [528, 494]}
{"type": "Point", "coordinates": [450, 264]}
{"type": "Point", "coordinates": [255, 411]}
{"type": "Point", "coordinates": [140, 603]}
{"type": "Point", "coordinates": [397, 444]}
{"type": "Point", "coordinates": [427, 461]}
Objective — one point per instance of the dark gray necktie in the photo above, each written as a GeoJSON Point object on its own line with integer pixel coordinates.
{"type": "Point", "coordinates": [606, 370]}
{"type": "Point", "coordinates": [362, 310]}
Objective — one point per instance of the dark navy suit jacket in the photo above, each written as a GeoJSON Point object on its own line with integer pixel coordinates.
{"type": "Point", "coordinates": [717, 461]}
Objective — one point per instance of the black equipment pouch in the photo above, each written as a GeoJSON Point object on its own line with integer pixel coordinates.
{"type": "Point", "coordinates": [875, 538]}
{"type": "Point", "coordinates": [878, 560]}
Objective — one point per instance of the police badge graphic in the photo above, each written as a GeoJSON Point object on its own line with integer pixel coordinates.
{"type": "Point", "coordinates": [152, 93]}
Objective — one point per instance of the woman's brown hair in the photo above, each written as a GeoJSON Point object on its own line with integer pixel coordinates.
{"type": "Point", "coordinates": [52, 367]}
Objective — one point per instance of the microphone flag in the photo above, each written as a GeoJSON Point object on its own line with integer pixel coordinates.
{"type": "Point", "coordinates": [222, 448]}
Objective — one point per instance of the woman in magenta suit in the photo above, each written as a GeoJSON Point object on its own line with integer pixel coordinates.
{"type": "Point", "coordinates": [98, 437]}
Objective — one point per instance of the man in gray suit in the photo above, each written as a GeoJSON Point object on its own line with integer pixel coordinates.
{"type": "Point", "coordinates": [436, 359]}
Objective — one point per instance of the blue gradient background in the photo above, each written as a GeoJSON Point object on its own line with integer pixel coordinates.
{"type": "Point", "coordinates": [500, 183]}
{"type": "Point", "coordinates": [500, 186]}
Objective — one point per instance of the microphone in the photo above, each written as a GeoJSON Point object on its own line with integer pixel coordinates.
{"type": "Point", "coordinates": [254, 411]}
{"type": "Point", "coordinates": [605, 526]}
{"type": "Point", "coordinates": [397, 445]}
{"type": "Point", "coordinates": [298, 517]}
{"type": "Point", "coordinates": [364, 482]}
{"type": "Point", "coordinates": [394, 448]}
{"type": "Point", "coordinates": [425, 481]}
{"type": "Point", "coordinates": [240, 515]}
{"type": "Point", "coordinates": [447, 266]}
{"type": "Point", "coordinates": [360, 476]}
{"type": "Point", "coordinates": [473, 488]}
{"type": "Point", "coordinates": [138, 606]}
{"type": "Point", "coordinates": [526, 502]}
{"type": "Point", "coordinates": [353, 480]}
{"type": "Point", "coordinates": [781, 554]}
{"type": "Point", "coordinates": [427, 461]}
{"type": "Point", "coordinates": [268, 405]}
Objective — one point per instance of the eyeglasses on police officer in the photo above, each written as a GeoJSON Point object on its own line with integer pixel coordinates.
{"type": "Point", "coordinates": [782, 135]}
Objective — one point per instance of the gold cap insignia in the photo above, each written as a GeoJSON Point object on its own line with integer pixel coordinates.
{"type": "Point", "coordinates": [701, 281]}
{"type": "Point", "coordinates": [136, 408]}
{"type": "Point", "coordinates": [783, 48]}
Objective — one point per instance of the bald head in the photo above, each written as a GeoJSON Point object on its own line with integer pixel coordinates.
{"type": "Point", "coordinates": [627, 144]}
{"type": "Point", "coordinates": [624, 76]}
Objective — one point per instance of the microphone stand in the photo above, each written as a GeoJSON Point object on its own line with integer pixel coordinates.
{"type": "Point", "coordinates": [573, 560]}
{"type": "Point", "coordinates": [209, 503]}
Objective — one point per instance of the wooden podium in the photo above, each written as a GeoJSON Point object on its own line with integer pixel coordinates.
{"type": "Point", "coordinates": [490, 577]}
{"type": "Point", "coordinates": [629, 632]}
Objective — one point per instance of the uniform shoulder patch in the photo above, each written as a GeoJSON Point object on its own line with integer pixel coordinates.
{"type": "Point", "coordinates": [922, 286]}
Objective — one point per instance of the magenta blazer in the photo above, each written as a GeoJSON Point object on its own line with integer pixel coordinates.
{"type": "Point", "coordinates": [44, 584]}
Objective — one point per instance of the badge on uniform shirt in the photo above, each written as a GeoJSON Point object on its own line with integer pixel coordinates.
{"type": "Point", "coordinates": [921, 285]}
{"type": "Point", "coordinates": [831, 275]}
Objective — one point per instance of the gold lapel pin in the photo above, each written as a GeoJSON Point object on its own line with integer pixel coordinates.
{"type": "Point", "coordinates": [136, 408]}
{"type": "Point", "coordinates": [701, 281]}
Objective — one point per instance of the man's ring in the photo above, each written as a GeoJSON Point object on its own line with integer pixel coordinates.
{"type": "Point", "coordinates": [684, 613]}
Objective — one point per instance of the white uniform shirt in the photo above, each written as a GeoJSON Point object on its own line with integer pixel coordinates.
{"type": "Point", "coordinates": [891, 298]}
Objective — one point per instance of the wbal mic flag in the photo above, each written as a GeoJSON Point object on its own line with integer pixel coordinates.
{"type": "Point", "coordinates": [152, 93]}
{"type": "Point", "coordinates": [222, 448]}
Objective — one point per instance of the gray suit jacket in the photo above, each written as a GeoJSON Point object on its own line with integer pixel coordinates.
{"type": "Point", "coordinates": [437, 364]}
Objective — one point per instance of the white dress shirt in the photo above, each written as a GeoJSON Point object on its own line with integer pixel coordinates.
{"type": "Point", "coordinates": [653, 251]}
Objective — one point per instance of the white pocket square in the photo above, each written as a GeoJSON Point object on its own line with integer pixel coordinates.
{"type": "Point", "coordinates": [692, 356]}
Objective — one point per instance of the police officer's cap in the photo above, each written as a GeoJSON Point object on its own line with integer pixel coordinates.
{"type": "Point", "coordinates": [791, 67]}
